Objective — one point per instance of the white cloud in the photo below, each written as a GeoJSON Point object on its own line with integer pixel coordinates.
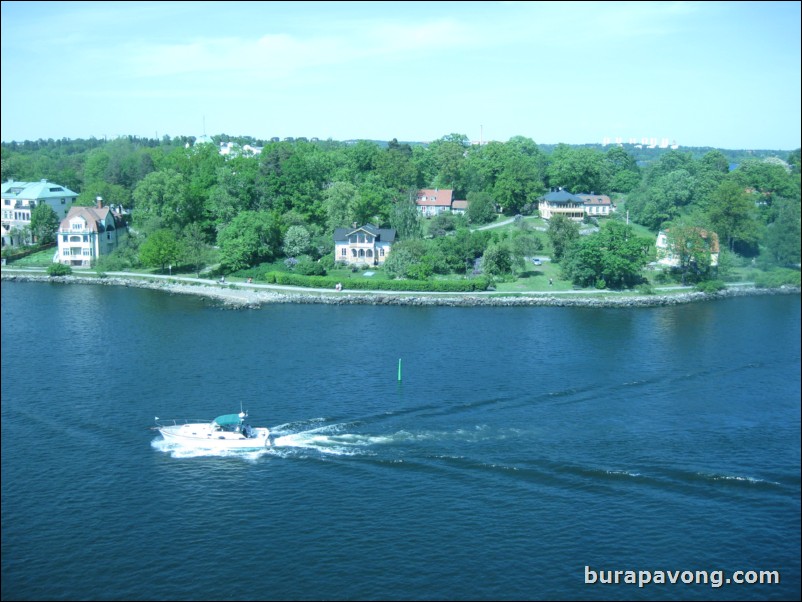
{"type": "Point", "coordinates": [284, 54]}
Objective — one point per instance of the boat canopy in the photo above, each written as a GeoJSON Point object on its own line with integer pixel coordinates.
{"type": "Point", "coordinates": [228, 419]}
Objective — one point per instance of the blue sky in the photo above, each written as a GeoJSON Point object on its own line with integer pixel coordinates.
{"type": "Point", "coordinates": [720, 74]}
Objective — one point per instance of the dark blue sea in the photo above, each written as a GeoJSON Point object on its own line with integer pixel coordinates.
{"type": "Point", "coordinates": [525, 451]}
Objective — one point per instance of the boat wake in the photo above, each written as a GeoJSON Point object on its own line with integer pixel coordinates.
{"type": "Point", "coordinates": [317, 438]}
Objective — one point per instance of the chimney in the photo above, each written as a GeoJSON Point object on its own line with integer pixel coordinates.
{"type": "Point", "coordinates": [100, 202]}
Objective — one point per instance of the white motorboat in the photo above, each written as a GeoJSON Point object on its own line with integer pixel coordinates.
{"type": "Point", "coordinates": [229, 431]}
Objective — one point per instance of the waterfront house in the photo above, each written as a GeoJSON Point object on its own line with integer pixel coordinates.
{"type": "Point", "coordinates": [88, 233]}
{"type": "Point", "coordinates": [19, 199]}
{"type": "Point", "coordinates": [363, 245]}
{"type": "Point", "coordinates": [667, 254]}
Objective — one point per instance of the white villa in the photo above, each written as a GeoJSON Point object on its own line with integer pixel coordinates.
{"type": "Point", "coordinates": [363, 245]}
{"type": "Point", "coordinates": [19, 199]}
{"type": "Point", "coordinates": [574, 206]}
{"type": "Point", "coordinates": [433, 201]}
{"type": "Point", "coordinates": [88, 233]}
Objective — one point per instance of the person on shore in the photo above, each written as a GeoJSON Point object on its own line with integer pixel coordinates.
{"type": "Point", "coordinates": [338, 287]}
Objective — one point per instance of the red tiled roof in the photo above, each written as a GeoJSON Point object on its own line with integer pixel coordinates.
{"type": "Point", "coordinates": [432, 197]}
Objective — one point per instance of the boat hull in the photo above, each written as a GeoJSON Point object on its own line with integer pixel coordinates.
{"type": "Point", "coordinates": [201, 436]}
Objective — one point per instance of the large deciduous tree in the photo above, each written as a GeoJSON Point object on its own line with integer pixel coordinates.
{"type": "Point", "coordinates": [44, 223]}
{"type": "Point", "coordinates": [160, 249]}
{"type": "Point", "coordinates": [731, 214]}
{"type": "Point", "coordinates": [784, 234]}
{"type": "Point", "coordinates": [251, 238]}
{"type": "Point", "coordinates": [562, 233]}
{"type": "Point", "coordinates": [611, 258]}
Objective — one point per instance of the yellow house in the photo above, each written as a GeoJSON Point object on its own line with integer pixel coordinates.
{"type": "Point", "coordinates": [561, 202]}
{"type": "Point", "coordinates": [363, 245]}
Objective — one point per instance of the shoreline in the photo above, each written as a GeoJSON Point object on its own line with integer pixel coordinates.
{"type": "Point", "coordinates": [254, 296]}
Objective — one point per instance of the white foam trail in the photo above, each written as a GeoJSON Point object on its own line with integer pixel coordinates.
{"type": "Point", "coordinates": [177, 451]}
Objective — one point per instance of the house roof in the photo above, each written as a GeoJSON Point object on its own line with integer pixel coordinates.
{"type": "Point", "coordinates": [561, 196]}
{"type": "Point", "coordinates": [461, 204]}
{"type": "Point", "coordinates": [434, 197]}
{"type": "Point", "coordinates": [96, 218]}
{"type": "Point", "coordinates": [382, 234]}
{"type": "Point", "coordinates": [595, 199]}
{"type": "Point", "coordinates": [35, 190]}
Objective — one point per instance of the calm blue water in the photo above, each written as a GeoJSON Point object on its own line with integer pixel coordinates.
{"type": "Point", "coordinates": [523, 445]}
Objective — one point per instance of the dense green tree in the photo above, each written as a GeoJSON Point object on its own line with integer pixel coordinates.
{"type": "Point", "coordinates": [44, 223]}
{"type": "Point", "coordinates": [251, 238]}
{"type": "Point", "coordinates": [160, 249]}
{"type": "Point", "coordinates": [731, 215]}
{"type": "Point", "coordinates": [623, 169]}
{"type": "Point", "coordinates": [447, 158]}
{"type": "Point", "coordinates": [163, 194]}
{"type": "Point", "coordinates": [297, 241]}
{"type": "Point", "coordinates": [784, 234]}
{"type": "Point", "coordinates": [195, 250]}
{"type": "Point", "coordinates": [405, 218]}
{"type": "Point", "coordinates": [337, 202]}
{"type": "Point", "coordinates": [111, 194]}
{"type": "Point", "coordinates": [481, 208]}
{"type": "Point", "coordinates": [612, 258]}
{"type": "Point", "coordinates": [769, 180]}
{"type": "Point", "coordinates": [692, 245]}
{"type": "Point", "coordinates": [400, 261]}
{"type": "Point", "coordinates": [579, 170]}
{"type": "Point", "coordinates": [236, 189]}
{"type": "Point", "coordinates": [562, 233]}
{"type": "Point", "coordinates": [497, 260]}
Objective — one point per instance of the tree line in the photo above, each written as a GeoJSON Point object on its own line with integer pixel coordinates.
{"type": "Point", "coordinates": [287, 200]}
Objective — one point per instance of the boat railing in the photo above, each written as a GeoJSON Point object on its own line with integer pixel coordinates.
{"type": "Point", "coordinates": [179, 421]}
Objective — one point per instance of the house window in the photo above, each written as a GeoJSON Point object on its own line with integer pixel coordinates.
{"type": "Point", "coordinates": [344, 252]}
{"type": "Point", "coordinates": [369, 253]}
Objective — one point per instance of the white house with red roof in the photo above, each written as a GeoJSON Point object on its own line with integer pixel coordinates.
{"type": "Point", "coordinates": [433, 201]}
{"type": "Point", "coordinates": [88, 233]}
{"type": "Point", "coordinates": [597, 205]}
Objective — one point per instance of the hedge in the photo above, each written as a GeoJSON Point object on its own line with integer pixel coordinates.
{"type": "Point", "coordinates": [437, 286]}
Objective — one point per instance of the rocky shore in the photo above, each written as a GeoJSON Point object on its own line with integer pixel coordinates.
{"type": "Point", "coordinates": [251, 296]}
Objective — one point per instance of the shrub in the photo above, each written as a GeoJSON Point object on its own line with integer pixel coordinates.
{"type": "Point", "coordinates": [59, 269]}
{"type": "Point", "coordinates": [778, 277]}
{"type": "Point", "coordinates": [710, 286]}
{"type": "Point", "coordinates": [307, 267]}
